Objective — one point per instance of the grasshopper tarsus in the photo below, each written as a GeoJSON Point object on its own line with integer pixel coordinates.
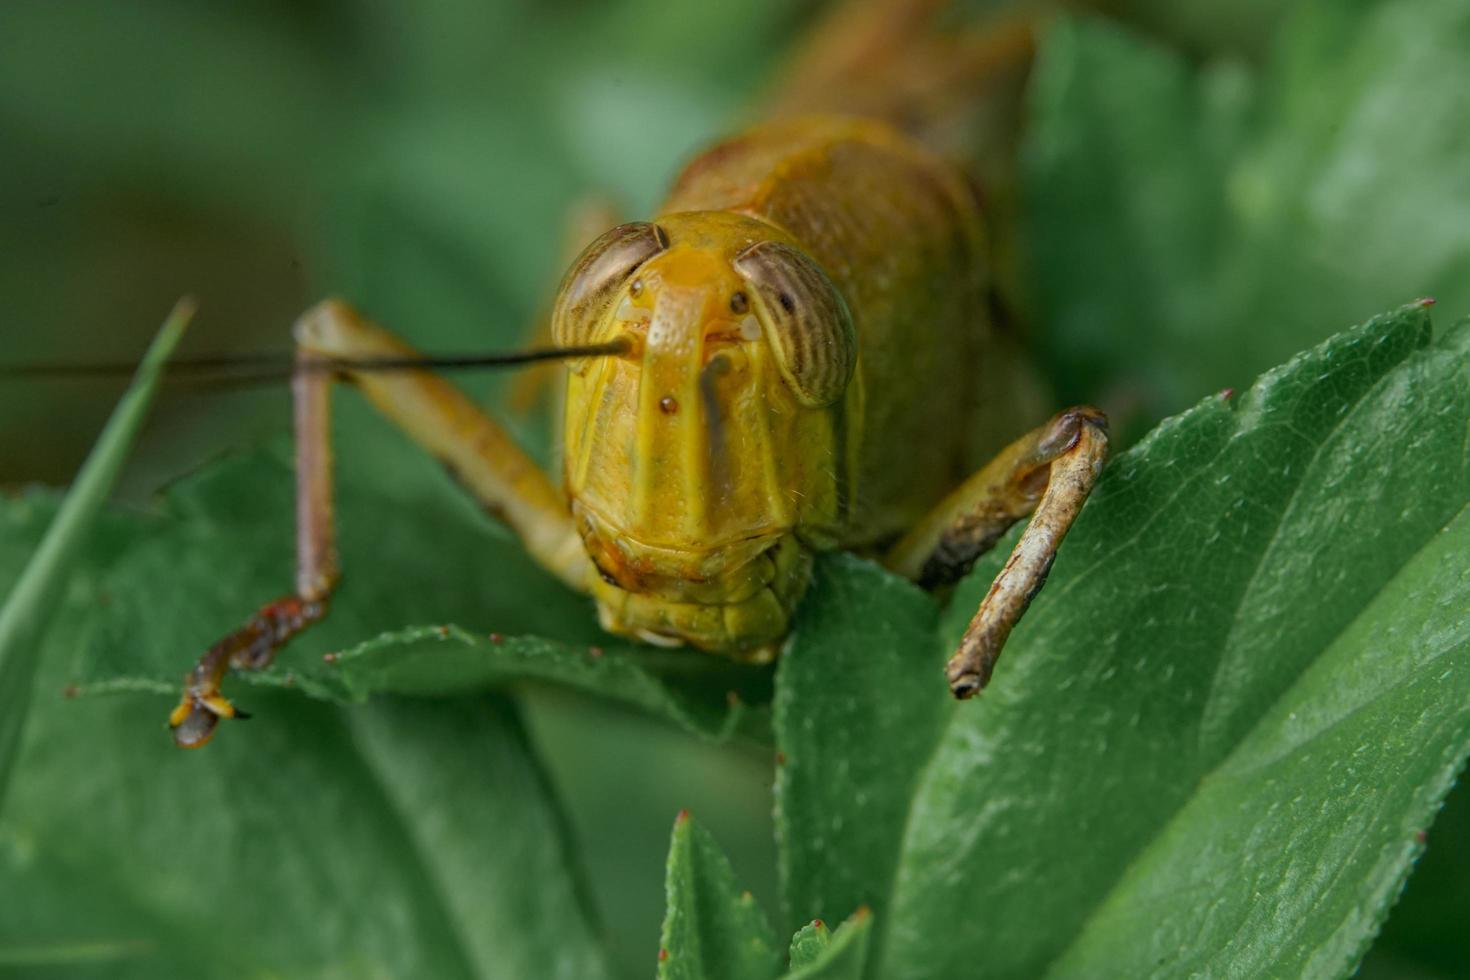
{"type": "Point", "coordinates": [251, 647]}
{"type": "Point", "coordinates": [1065, 457]}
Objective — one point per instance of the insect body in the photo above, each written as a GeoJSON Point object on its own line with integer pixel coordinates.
{"type": "Point", "coordinates": [805, 280]}
{"type": "Point", "coordinates": [781, 362]}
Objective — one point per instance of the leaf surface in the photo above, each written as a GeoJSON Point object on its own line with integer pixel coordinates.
{"type": "Point", "coordinates": [713, 929]}
{"type": "Point", "coordinates": [395, 839]}
{"type": "Point", "coordinates": [376, 842]}
{"type": "Point", "coordinates": [859, 701]}
{"type": "Point", "coordinates": [1425, 934]}
{"type": "Point", "coordinates": [1249, 661]}
{"type": "Point", "coordinates": [1258, 557]}
{"type": "Point", "coordinates": [1193, 225]}
{"type": "Point", "coordinates": [808, 943]}
{"type": "Point", "coordinates": [842, 956]}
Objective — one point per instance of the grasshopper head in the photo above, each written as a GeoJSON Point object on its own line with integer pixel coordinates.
{"type": "Point", "coordinates": [706, 462]}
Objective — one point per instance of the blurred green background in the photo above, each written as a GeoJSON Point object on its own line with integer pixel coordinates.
{"type": "Point", "coordinates": [1230, 181]}
{"type": "Point", "coordinates": [260, 155]}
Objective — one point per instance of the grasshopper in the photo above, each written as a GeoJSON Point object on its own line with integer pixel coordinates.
{"type": "Point", "coordinates": [784, 359]}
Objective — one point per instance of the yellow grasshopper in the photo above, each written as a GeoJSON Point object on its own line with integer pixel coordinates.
{"type": "Point", "coordinates": [786, 358]}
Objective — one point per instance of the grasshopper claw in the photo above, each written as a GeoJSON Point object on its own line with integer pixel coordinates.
{"type": "Point", "coordinates": [195, 719]}
{"type": "Point", "coordinates": [968, 678]}
{"type": "Point", "coordinates": [252, 647]}
{"type": "Point", "coordinates": [194, 728]}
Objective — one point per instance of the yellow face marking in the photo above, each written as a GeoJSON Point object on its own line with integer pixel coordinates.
{"type": "Point", "coordinates": [691, 456]}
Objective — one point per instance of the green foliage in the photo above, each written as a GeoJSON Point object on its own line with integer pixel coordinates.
{"type": "Point", "coordinates": [1425, 934]}
{"type": "Point", "coordinates": [715, 931]}
{"type": "Point", "coordinates": [1205, 688]}
{"type": "Point", "coordinates": [1225, 218]}
{"type": "Point", "coordinates": [809, 943]}
{"type": "Point", "coordinates": [712, 930]}
{"type": "Point", "coordinates": [1212, 748]}
{"type": "Point", "coordinates": [34, 597]}
{"type": "Point", "coordinates": [1277, 715]}
{"type": "Point", "coordinates": [327, 843]}
{"type": "Point", "coordinates": [843, 957]}
{"type": "Point", "coordinates": [857, 706]}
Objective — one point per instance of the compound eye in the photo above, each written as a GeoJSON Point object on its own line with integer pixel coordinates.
{"type": "Point", "coordinates": [809, 326]}
{"type": "Point", "coordinates": [596, 277]}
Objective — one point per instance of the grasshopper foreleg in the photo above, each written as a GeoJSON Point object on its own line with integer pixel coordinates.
{"type": "Point", "coordinates": [254, 645]}
{"type": "Point", "coordinates": [1048, 472]}
{"type": "Point", "coordinates": [436, 415]}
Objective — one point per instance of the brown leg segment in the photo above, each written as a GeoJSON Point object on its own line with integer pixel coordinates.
{"type": "Point", "coordinates": [1049, 471]}
{"type": "Point", "coordinates": [436, 415]}
{"type": "Point", "coordinates": [254, 645]}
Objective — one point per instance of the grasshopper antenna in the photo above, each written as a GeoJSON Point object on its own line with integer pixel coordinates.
{"type": "Point", "coordinates": [266, 368]}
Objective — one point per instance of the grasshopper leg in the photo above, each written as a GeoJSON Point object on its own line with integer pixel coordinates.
{"type": "Point", "coordinates": [435, 414]}
{"type": "Point", "coordinates": [1048, 473]}
{"type": "Point", "coordinates": [254, 645]}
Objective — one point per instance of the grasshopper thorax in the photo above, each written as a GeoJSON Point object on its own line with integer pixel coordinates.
{"type": "Point", "coordinates": [707, 461]}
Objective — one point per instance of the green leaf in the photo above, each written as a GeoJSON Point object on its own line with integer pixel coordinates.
{"type": "Point", "coordinates": [809, 943]}
{"type": "Point", "coordinates": [1426, 931]}
{"type": "Point", "coordinates": [439, 660]}
{"type": "Point", "coordinates": [1191, 226]}
{"type": "Point", "coordinates": [33, 599]}
{"type": "Point", "coordinates": [1211, 657]}
{"type": "Point", "coordinates": [376, 842]}
{"type": "Point", "coordinates": [1262, 560]}
{"type": "Point", "coordinates": [712, 929]}
{"type": "Point", "coordinates": [842, 957]}
{"type": "Point", "coordinates": [397, 839]}
{"type": "Point", "coordinates": [1374, 731]}
{"type": "Point", "coordinates": [400, 839]}
{"type": "Point", "coordinates": [859, 699]}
